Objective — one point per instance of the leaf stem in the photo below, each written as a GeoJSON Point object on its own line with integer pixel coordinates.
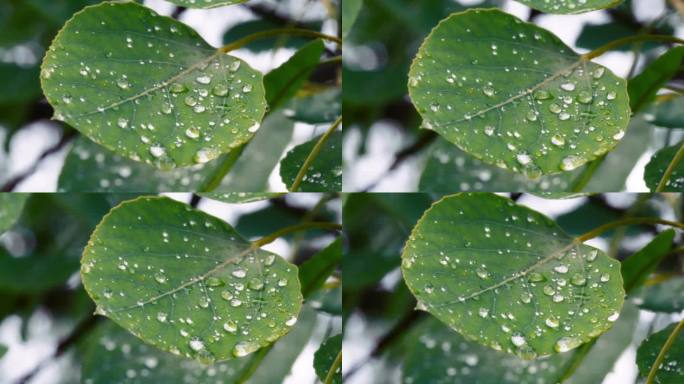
{"type": "Point", "coordinates": [627, 40]}
{"type": "Point", "coordinates": [226, 164]}
{"type": "Point", "coordinates": [276, 32]}
{"type": "Point", "coordinates": [313, 154]}
{"type": "Point", "coordinates": [627, 221]}
{"type": "Point", "coordinates": [294, 228]}
{"type": "Point", "coordinates": [335, 365]}
{"type": "Point", "coordinates": [663, 351]}
{"type": "Point", "coordinates": [670, 168]}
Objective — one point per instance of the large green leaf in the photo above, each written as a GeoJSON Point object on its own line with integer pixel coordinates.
{"type": "Point", "coordinates": [283, 82]}
{"type": "Point", "coordinates": [643, 87]}
{"type": "Point", "coordinates": [570, 6]}
{"type": "Point", "coordinates": [239, 197]}
{"type": "Point", "coordinates": [350, 9]}
{"type": "Point", "coordinates": [667, 296]}
{"type": "Point", "coordinates": [89, 167]}
{"type": "Point", "coordinates": [325, 357]}
{"type": "Point", "coordinates": [448, 169]}
{"type": "Point", "coordinates": [515, 96]}
{"type": "Point", "coordinates": [149, 88]}
{"type": "Point", "coordinates": [670, 370]}
{"type": "Point", "coordinates": [11, 205]}
{"type": "Point", "coordinates": [638, 267]}
{"type": "Point", "coordinates": [205, 3]}
{"type": "Point", "coordinates": [186, 282]}
{"type": "Point", "coordinates": [550, 295]}
{"type": "Point", "coordinates": [324, 174]}
{"type": "Point", "coordinates": [655, 169]}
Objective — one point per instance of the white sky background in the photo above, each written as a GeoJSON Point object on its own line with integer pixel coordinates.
{"type": "Point", "coordinates": [44, 333]}
{"type": "Point", "coordinates": [385, 137]}
{"type": "Point", "coordinates": [211, 24]}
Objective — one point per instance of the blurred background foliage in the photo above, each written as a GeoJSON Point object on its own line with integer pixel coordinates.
{"type": "Point", "coordinates": [387, 341]}
{"type": "Point", "coordinates": [385, 148]}
{"type": "Point", "coordinates": [46, 317]}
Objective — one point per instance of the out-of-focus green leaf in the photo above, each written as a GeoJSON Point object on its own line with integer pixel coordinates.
{"type": "Point", "coordinates": [637, 268]}
{"type": "Point", "coordinates": [668, 113]}
{"type": "Point", "coordinates": [249, 27]}
{"type": "Point", "coordinates": [89, 167]}
{"type": "Point", "coordinates": [187, 282]}
{"type": "Point", "coordinates": [524, 97]}
{"type": "Point", "coordinates": [239, 197]}
{"type": "Point", "coordinates": [593, 214]}
{"type": "Point", "coordinates": [643, 87]}
{"type": "Point", "coordinates": [326, 359]}
{"type": "Point", "coordinates": [149, 88]}
{"type": "Point", "coordinates": [328, 301]}
{"type": "Point", "coordinates": [321, 107]}
{"type": "Point", "coordinates": [283, 82]}
{"type": "Point", "coordinates": [388, 83]}
{"type": "Point", "coordinates": [596, 35]}
{"type": "Point", "coordinates": [325, 172]}
{"type": "Point", "coordinates": [3, 350]}
{"type": "Point", "coordinates": [250, 173]}
{"type": "Point", "coordinates": [529, 305]}
{"type": "Point", "coordinates": [350, 9]}
{"type": "Point", "coordinates": [315, 271]}
{"type": "Point", "coordinates": [11, 206]}
{"type": "Point", "coordinates": [667, 296]}
{"type": "Point", "coordinates": [655, 169]}
{"type": "Point", "coordinates": [670, 370]}
{"type": "Point", "coordinates": [20, 83]}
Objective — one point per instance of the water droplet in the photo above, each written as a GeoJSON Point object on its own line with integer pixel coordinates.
{"type": "Point", "coordinates": [578, 280]}
{"type": "Point", "coordinates": [199, 108]}
{"type": "Point", "coordinates": [555, 108]}
{"type": "Point", "coordinates": [205, 155]}
{"type": "Point", "coordinates": [598, 72]}
{"type": "Point", "coordinates": [489, 130]}
{"type": "Point", "coordinates": [213, 281]}
{"type": "Point", "coordinates": [613, 317]}
{"type": "Point", "coordinates": [619, 135]}
{"type": "Point", "coordinates": [122, 123]}
{"type": "Point", "coordinates": [551, 322]}
{"type": "Point", "coordinates": [605, 277]}
{"type": "Point", "coordinates": [483, 312]}
{"type": "Point", "coordinates": [230, 326]}
{"type": "Point", "coordinates": [196, 344]}
{"type": "Point", "coordinates": [235, 303]}
{"type": "Point", "coordinates": [160, 278]}
{"type": "Point", "coordinates": [568, 87]}
{"type": "Point", "coordinates": [563, 116]}
{"type": "Point", "coordinates": [161, 317]}
{"type": "Point", "coordinates": [488, 91]}
{"type": "Point", "coordinates": [561, 268]}
{"type": "Point", "coordinates": [123, 83]}
{"type": "Point", "coordinates": [157, 151]}
{"type": "Point", "coordinates": [192, 132]}
{"type": "Point", "coordinates": [434, 107]}
{"type": "Point", "coordinates": [482, 273]}
{"type": "Point", "coordinates": [67, 99]}
{"type": "Point", "coordinates": [107, 293]}
{"type": "Point", "coordinates": [531, 116]}
{"type": "Point", "coordinates": [226, 295]}
{"type": "Point", "coordinates": [291, 321]}
{"type": "Point", "coordinates": [518, 340]}
{"type": "Point", "coordinates": [558, 140]}
{"type": "Point", "coordinates": [190, 101]}
{"type": "Point", "coordinates": [220, 90]}
{"type": "Point", "coordinates": [247, 88]}
{"type": "Point", "coordinates": [166, 108]}
{"type": "Point", "coordinates": [523, 158]}
{"type": "Point", "coordinates": [203, 79]}
{"type": "Point", "coordinates": [571, 162]}
{"type": "Point", "coordinates": [565, 344]}
{"type": "Point", "coordinates": [235, 65]}
{"type": "Point", "coordinates": [548, 290]}
{"type": "Point", "coordinates": [239, 273]}
{"type": "Point", "coordinates": [542, 95]}
{"type": "Point", "coordinates": [282, 282]}
{"type": "Point", "coordinates": [244, 348]}
{"type": "Point", "coordinates": [611, 95]}
{"type": "Point", "coordinates": [536, 277]}
{"type": "Point", "coordinates": [177, 88]}
{"type": "Point", "coordinates": [584, 97]}
{"type": "Point", "coordinates": [255, 284]}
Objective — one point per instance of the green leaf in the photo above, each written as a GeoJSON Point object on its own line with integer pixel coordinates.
{"type": "Point", "coordinates": [570, 6]}
{"type": "Point", "coordinates": [324, 174]}
{"type": "Point", "coordinates": [315, 271]}
{"type": "Point", "coordinates": [551, 295]}
{"type": "Point", "coordinates": [252, 170]}
{"type": "Point", "coordinates": [670, 371]}
{"type": "Point", "coordinates": [662, 297]}
{"type": "Point", "coordinates": [186, 282]}
{"type": "Point", "coordinates": [11, 206]}
{"type": "Point", "coordinates": [90, 167]}
{"type": "Point", "coordinates": [593, 214]}
{"type": "Point", "coordinates": [350, 9]}
{"type": "Point", "coordinates": [250, 27]}
{"type": "Point", "coordinates": [149, 88]}
{"type": "Point", "coordinates": [643, 87]}
{"type": "Point", "coordinates": [637, 268]}
{"type": "Point", "coordinates": [596, 35]}
{"type": "Point", "coordinates": [515, 95]}
{"type": "Point", "coordinates": [325, 357]}
{"type": "Point", "coordinates": [655, 169]}
{"type": "Point", "coordinates": [21, 83]}
{"type": "Point", "coordinates": [448, 168]}
{"type": "Point", "coordinates": [205, 3]}
{"type": "Point", "coordinates": [239, 197]}
{"type": "Point", "coordinates": [668, 113]}
{"type": "Point", "coordinates": [317, 108]}
{"type": "Point", "coordinates": [283, 82]}
{"type": "Point", "coordinates": [3, 350]}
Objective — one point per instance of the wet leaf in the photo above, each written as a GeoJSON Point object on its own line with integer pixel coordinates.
{"type": "Point", "coordinates": [186, 282]}
{"type": "Point", "coordinates": [671, 371]}
{"type": "Point", "coordinates": [317, 108]}
{"type": "Point", "coordinates": [668, 113]}
{"type": "Point", "coordinates": [283, 82]}
{"type": "Point", "coordinates": [551, 295]}
{"type": "Point", "coordinates": [448, 169]}
{"type": "Point", "coordinates": [324, 174]}
{"type": "Point", "coordinates": [325, 357]}
{"type": "Point", "coordinates": [655, 169]}
{"type": "Point", "coordinates": [239, 197]}
{"type": "Point", "coordinates": [205, 3]}
{"type": "Point", "coordinates": [638, 267]}
{"type": "Point", "coordinates": [90, 167]}
{"type": "Point", "coordinates": [350, 9]}
{"type": "Point", "coordinates": [149, 88]}
{"type": "Point", "coordinates": [643, 87]}
{"type": "Point", "coordinates": [515, 96]}
{"type": "Point", "coordinates": [11, 206]}
{"type": "Point", "coordinates": [315, 271]}
{"type": "Point", "coordinates": [570, 6]}
{"type": "Point", "coordinates": [667, 296]}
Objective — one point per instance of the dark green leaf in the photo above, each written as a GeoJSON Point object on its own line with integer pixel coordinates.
{"type": "Point", "coordinates": [328, 301]}
{"type": "Point", "coordinates": [596, 35]}
{"type": "Point", "coordinates": [643, 87]}
{"type": "Point", "coordinates": [11, 205]}
{"type": "Point", "coordinates": [3, 350]}
{"type": "Point", "coordinates": [90, 167]}
{"type": "Point", "coordinates": [667, 296]}
{"type": "Point", "coordinates": [315, 271]}
{"type": "Point", "coordinates": [283, 82]}
{"type": "Point", "coordinates": [149, 88]}
{"type": "Point", "coordinates": [570, 6]}
{"type": "Point", "coordinates": [20, 83]}
{"type": "Point", "coordinates": [324, 174]}
{"type": "Point", "coordinates": [321, 107]}
{"type": "Point", "coordinates": [250, 27]}
{"type": "Point", "coordinates": [239, 197]}
{"type": "Point", "coordinates": [185, 281]}
{"type": "Point", "coordinates": [655, 169]}
{"type": "Point", "coordinates": [350, 9]}
{"type": "Point", "coordinates": [551, 295]}
{"type": "Point", "coordinates": [671, 370]}
{"type": "Point", "coordinates": [515, 94]}
{"type": "Point", "coordinates": [669, 113]}
{"type": "Point", "coordinates": [637, 268]}
{"type": "Point", "coordinates": [325, 359]}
